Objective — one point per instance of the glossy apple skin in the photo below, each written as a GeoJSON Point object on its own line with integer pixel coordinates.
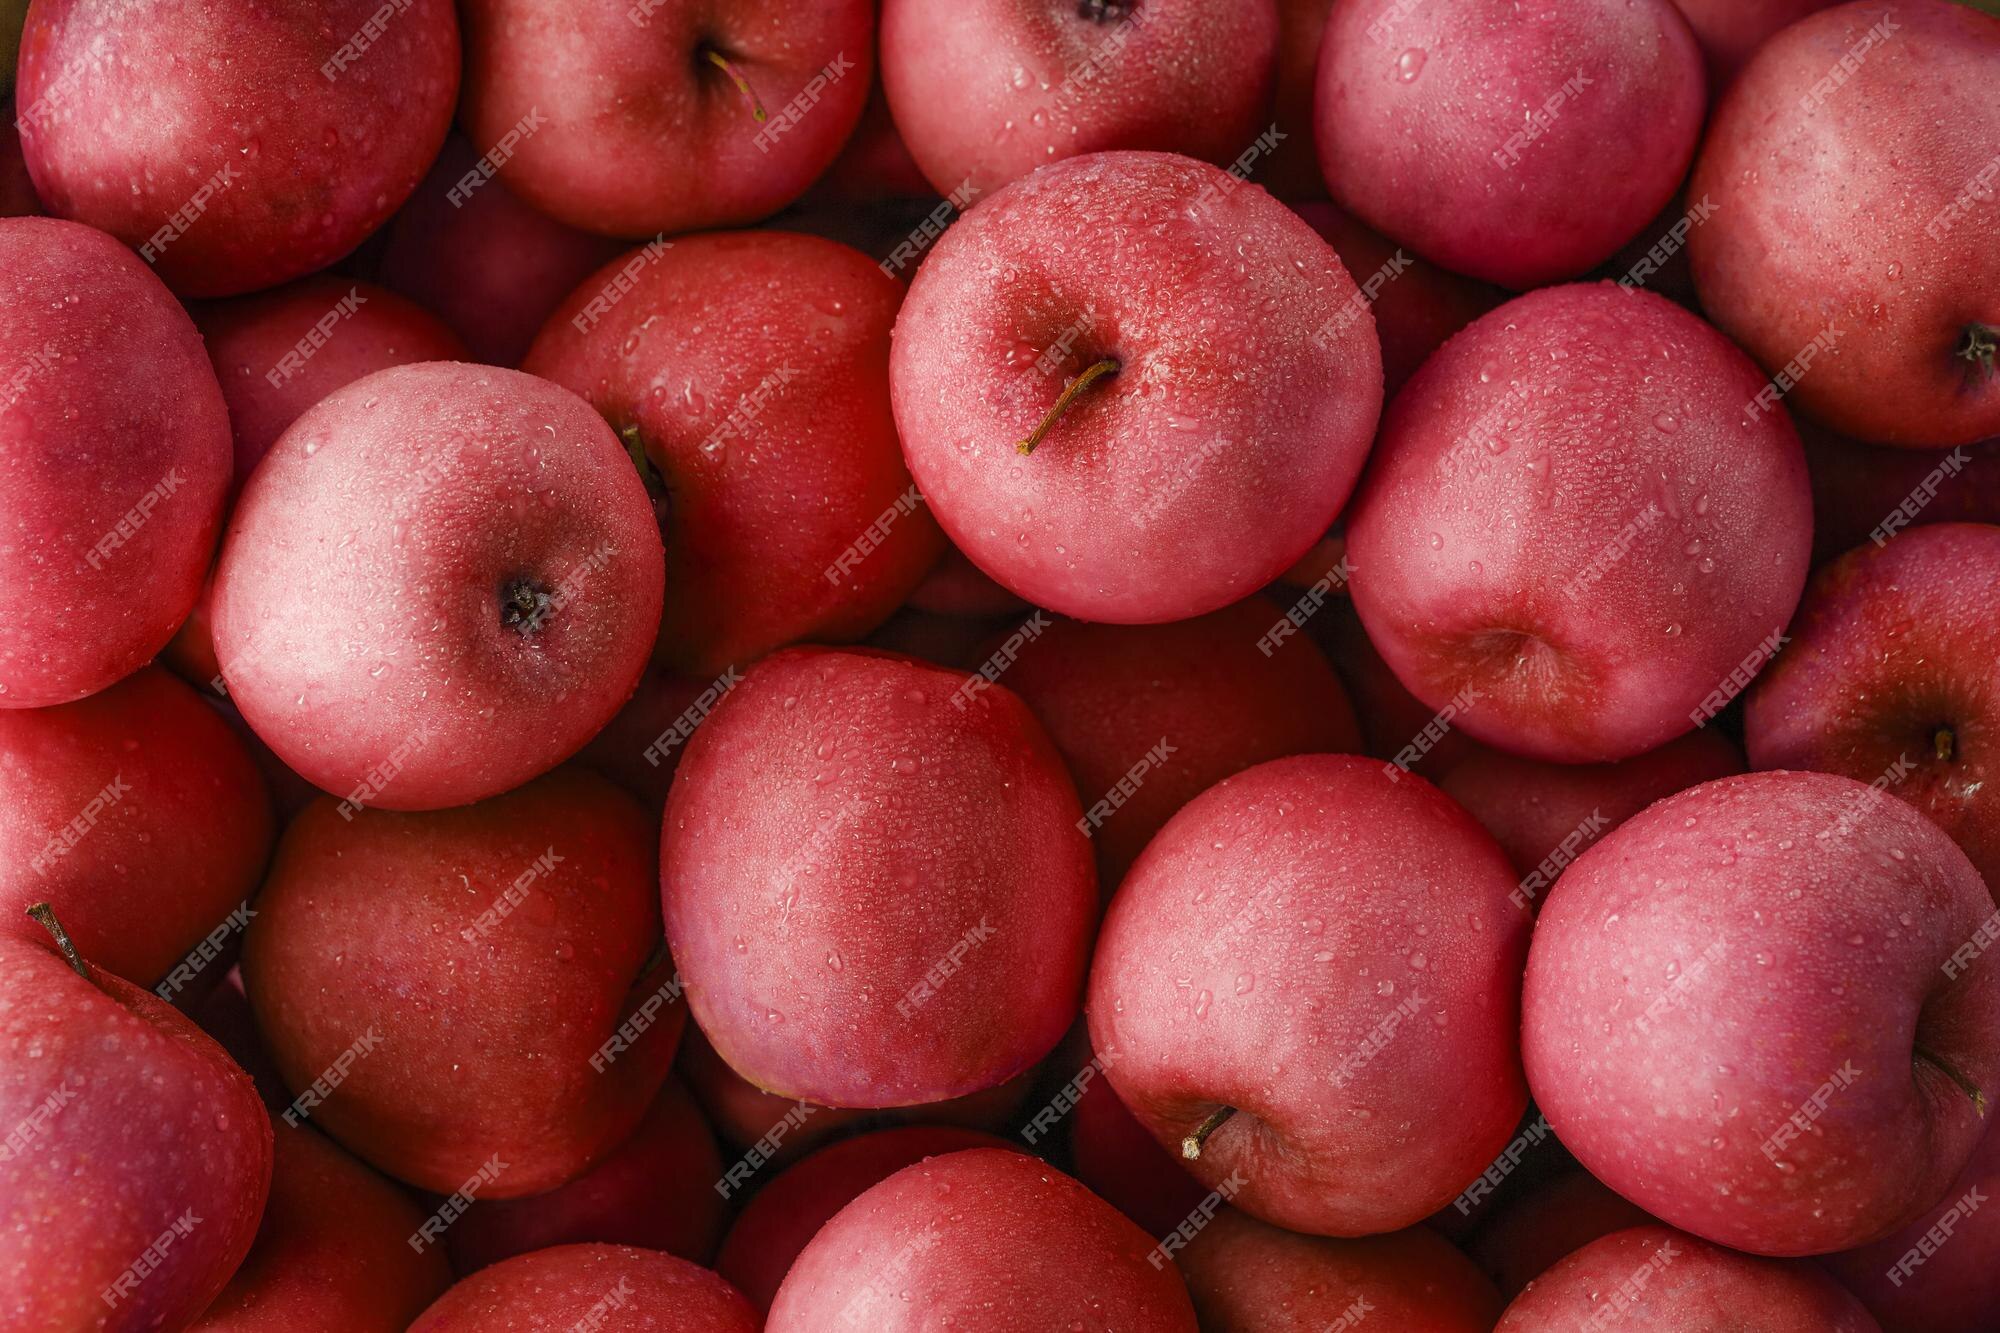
{"type": "Point", "coordinates": [639, 134]}
{"type": "Point", "coordinates": [89, 335]}
{"type": "Point", "coordinates": [1665, 1279]}
{"type": "Point", "coordinates": [135, 1121]}
{"type": "Point", "coordinates": [1248, 1275]}
{"type": "Point", "coordinates": [1859, 489]}
{"type": "Point", "coordinates": [1119, 1158]}
{"type": "Point", "coordinates": [572, 1287]}
{"type": "Point", "coordinates": [490, 266]}
{"type": "Point", "coordinates": [1955, 1287]}
{"type": "Point", "coordinates": [1834, 213]}
{"type": "Point", "coordinates": [360, 606]}
{"type": "Point", "coordinates": [1470, 134]}
{"type": "Point", "coordinates": [754, 367]}
{"type": "Point", "coordinates": [1557, 1219]}
{"type": "Point", "coordinates": [787, 1213]}
{"type": "Point", "coordinates": [1895, 662]}
{"type": "Point", "coordinates": [986, 91]}
{"type": "Point", "coordinates": [178, 847]}
{"type": "Point", "coordinates": [1735, 951]}
{"type": "Point", "coordinates": [1730, 31]}
{"type": "Point", "coordinates": [332, 1251]}
{"type": "Point", "coordinates": [656, 1191]}
{"type": "Point", "coordinates": [794, 915]}
{"type": "Point", "coordinates": [483, 1027]}
{"type": "Point", "coordinates": [1545, 815]}
{"type": "Point", "coordinates": [1570, 514]}
{"type": "Point", "coordinates": [1111, 694]}
{"type": "Point", "coordinates": [983, 1239]}
{"type": "Point", "coordinates": [315, 162]}
{"type": "Point", "coordinates": [1253, 955]}
{"type": "Point", "coordinates": [1216, 455]}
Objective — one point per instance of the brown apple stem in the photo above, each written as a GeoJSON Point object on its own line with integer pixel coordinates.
{"type": "Point", "coordinates": [45, 914]}
{"type": "Point", "coordinates": [717, 59]}
{"type": "Point", "coordinates": [1944, 744]}
{"type": "Point", "coordinates": [1981, 346]}
{"type": "Point", "coordinates": [1966, 1085]}
{"type": "Point", "coordinates": [1069, 395]}
{"type": "Point", "coordinates": [635, 448]}
{"type": "Point", "coordinates": [1191, 1145]}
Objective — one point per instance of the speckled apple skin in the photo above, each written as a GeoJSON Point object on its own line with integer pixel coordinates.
{"type": "Point", "coordinates": [105, 398]}
{"type": "Point", "coordinates": [1723, 957]}
{"type": "Point", "coordinates": [1219, 452]}
{"type": "Point", "coordinates": [1256, 951]}
{"type": "Point", "coordinates": [573, 1286]}
{"type": "Point", "coordinates": [1435, 127]}
{"type": "Point", "coordinates": [986, 91]}
{"type": "Point", "coordinates": [139, 1121]}
{"type": "Point", "coordinates": [1895, 647]}
{"type": "Point", "coordinates": [1847, 214]}
{"type": "Point", "coordinates": [988, 1238]}
{"type": "Point", "coordinates": [142, 102]}
{"type": "Point", "coordinates": [1571, 513]}
{"type": "Point", "coordinates": [357, 608]}
{"type": "Point", "coordinates": [837, 829]}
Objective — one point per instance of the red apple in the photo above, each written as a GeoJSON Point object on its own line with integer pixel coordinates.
{"type": "Point", "coordinates": [137, 1157]}
{"type": "Point", "coordinates": [1729, 32]}
{"type": "Point", "coordinates": [986, 91]}
{"type": "Point", "coordinates": [866, 858]}
{"type": "Point", "coordinates": [1657, 1278]}
{"type": "Point", "coordinates": [1855, 248]}
{"type": "Point", "coordinates": [17, 188]}
{"type": "Point", "coordinates": [957, 587]}
{"type": "Point", "coordinates": [453, 989]}
{"type": "Point", "coordinates": [1556, 1220]}
{"type": "Point", "coordinates": [332, 1251]}
{"type": "Point", "coordinates": [1294, 168]}
{"type": "Point", "coordinates": [1389, 714]}
{"type": "Point", "coordinates": [752, 371]}
{"type": "Point", "coordinates": [1862, 492]}
{"type": "Point", "coordinates": [641, 746]}
{"type": "Point", "coordinates": [1571, 536]}
{"type": "Point", "coordinates": [1121, 1160]}
{"type": "Point", "coordinates": [600, 1288]}
{"type": "Point", "coordinates": [1216, 414]}
{"type": "Point", "coordinates": [631, 117]}
{"type": "Point", "coordinates": [1310, 959]}
{"type": "Point", "coordinates": [787, 1213]}
{"type": "Point", "coordinates": [656, 1190]}
{"type": "Point", "coordinates": [137, 815]}
{"type": "Point", "coordinates": [1743, 1012]}
{"type": "Point", "coordinates": [875, 164]}
{"type": "Point", "coordinates": [109, 531]}
{"type": "Point", "coordinates": [1893, 678]}
{"type": "Point", "coordinates": [236, 143]}
{"type": "Point", "coordinates": [1472, 133]}
{"type": "Point", "coordinates": [224, 1014]}
{"type": "Point", "coordinates": [440, 582]}
{"type": "Point", "coordinates": [978, 1240]}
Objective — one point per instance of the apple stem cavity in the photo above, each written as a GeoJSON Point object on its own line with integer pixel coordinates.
{"type": "Point", "coordinates": [1069, 395]}
{"type": "Point", "coordinates": [1981, 347]}
{"type": "Point", "coordinates": [721, 62]}
{"type": "Point", "coordinates": [1191, 1146]}
{"type": "Point", "coordinates": [1966, 1085]}
{"type": "Point", "coordinates": [635, 449]}
{"type": "Point", "coordinates": [46, 915]}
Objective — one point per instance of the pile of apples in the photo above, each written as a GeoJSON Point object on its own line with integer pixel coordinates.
{"type": "Point", "coordinates": [1131, 666]}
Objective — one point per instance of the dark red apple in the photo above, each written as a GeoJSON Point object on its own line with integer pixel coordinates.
{"type": "Point", "coordinates": [1730, 31]}
{"type": "Point", "coordinates": [1293, 172]}
{"type": "Point", "coordinates": [1120, 1159]}
{"type": "Point", "coordinates": [1556, 1220]}
{"type": "Point", "coordinates": [1396, 723]}
{"type": "Point", "coordinates": [17, 188]}
{"type": "Point", "coordinates": [591, 1289]}
{"type": "Point", "coordinates": [957, 587]}
{"type": "Point", "coordinates": [1862, 492]}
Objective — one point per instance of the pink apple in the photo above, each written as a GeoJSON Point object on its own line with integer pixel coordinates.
{"type": "Point", "coordinates": [751, 371]}
{"type": "Point", "coordinates": [1854, 250]}
{"type": "Point", "coordinates": [109, 534]}
{"type": "Point", "coordinates": [237, 143]}
{"type": "Point", "coordinates": [1574, 534]}
{"type": "Point", "coordinates": [978, 1240]}
{"type": "Point", "coordinates": [1473, 133]}
{"type": "Point", "coordinates": [440, 582]}
{"type": "Point", "coordinates": [1893, 677]}
{"type": "Point", "coordinates": [1216, 413]}
{"type": "Point", "coordinates": [1310, 959]}
{"type": "Point", "coordinates": [866, 858]}
{"type": "Point", "coordinates": [602, 1288]}
{"type": "Point", "coordinates": [1745, 1012]}
{"type": "Point", "coordinates": [986, 91]}
{"type": "Point", "coordinates": [663, 115]}
{"type": "Point", "coordinates": [1557, 1219]}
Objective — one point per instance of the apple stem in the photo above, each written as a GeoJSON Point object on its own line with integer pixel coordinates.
{"type": "Point", "coordinates": [1966, 1085]}
{"type": "Point", "coordinates": [654, 480]}
{"type": "Point", "coordinates": [717, 59]}
{"type": "Point", "coordinates": [45, 914]}
{"type": "Point", "coordinates": [1944, 744]}
{"type": "Point", "coordinates": [1077, 386]}
{"type": "Point", "coordinates": [1191, 1145]}
{"type": "Point", "coordinates": [1981, 346]}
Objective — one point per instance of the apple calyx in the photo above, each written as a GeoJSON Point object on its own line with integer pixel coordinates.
{"type": "Point", "coordinates": [1103, 11]}
{"type": "Point", "coordinates": [1191, 1146]}
{"type": "Point", "coordinates": [1981, 347]}
{"type": "Point", "coordinates": [721, 62]}
{"type": "Point", "coordinates": [1944, 744]}
{"type": "Point", "coordinates": [46, 915]}
{"type": "Point", "coordinates": [524, 605]}
{"type": "Point", "coordinates": [1965, 1085]}
{"type": "Point", "coordinates": [1089, 377]}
